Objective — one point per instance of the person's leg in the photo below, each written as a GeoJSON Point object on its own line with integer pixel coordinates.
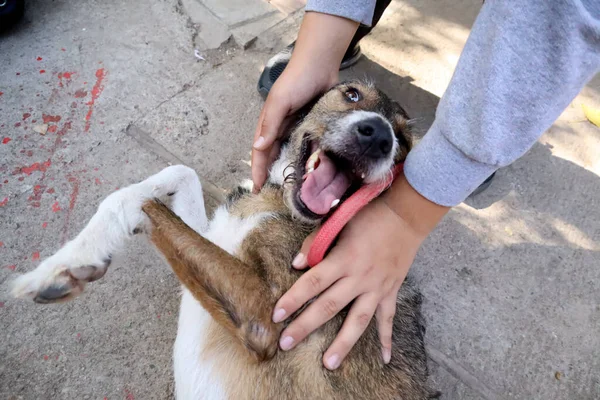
{"type": "Point", "coordinates": [275, 66]}
{"type": "Point", "coordinates": [364, 30]}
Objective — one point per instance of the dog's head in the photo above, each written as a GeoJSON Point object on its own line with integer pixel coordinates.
{"type": "Point", "coordinates": [353, 135]}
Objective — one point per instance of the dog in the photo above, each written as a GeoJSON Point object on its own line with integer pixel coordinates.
{"type": "Point", "coordinates": [236, 266]}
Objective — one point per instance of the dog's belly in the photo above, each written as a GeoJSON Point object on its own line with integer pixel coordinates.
{"type": "Point", "coordinates": [195, 375]}
{"type": "Point", "coordinates": [195, 368]}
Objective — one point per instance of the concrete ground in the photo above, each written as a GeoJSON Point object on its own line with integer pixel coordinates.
{"type": "Point", "coordinates": [510, 278]}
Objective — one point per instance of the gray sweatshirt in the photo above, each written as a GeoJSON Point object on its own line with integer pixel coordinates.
{"type": "Point", "coordinates": [522, 65]}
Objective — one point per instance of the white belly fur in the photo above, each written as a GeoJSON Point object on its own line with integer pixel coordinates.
{"type": "Point", "coordinates": [195, 376]}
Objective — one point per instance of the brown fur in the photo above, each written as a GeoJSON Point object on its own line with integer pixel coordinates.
{"type": "Point", "coordinates": [240, 293]}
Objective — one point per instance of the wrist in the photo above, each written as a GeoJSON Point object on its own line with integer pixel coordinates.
{"type": "Point", "coordinates": [419, 213]}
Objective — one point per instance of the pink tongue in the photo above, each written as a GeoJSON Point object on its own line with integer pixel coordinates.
{"type": "Point", "coordinates": [324, 185]}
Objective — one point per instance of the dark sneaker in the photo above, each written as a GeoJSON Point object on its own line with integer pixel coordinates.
{"type": "Point", "coordinates": [275, 66]}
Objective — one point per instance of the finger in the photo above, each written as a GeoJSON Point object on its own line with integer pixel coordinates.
{"type": "Point", "coordinates": [320, 311]}
{"type": "Point", "coordinates": [385, 323]}
{"type": "Point", "coordinates": [267, 131]}
{"type": "Point", "coordinates": [300, 261]}
{"type": "Point", "coordinates": [305, 288]}
{"type": "Point", "coordinates": [354, 326]}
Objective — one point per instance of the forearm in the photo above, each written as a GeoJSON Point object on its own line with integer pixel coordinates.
{"type": "Point", "coordinates": [356, 10]}
{"type": "Point", "coordinates": [418, 213]}
{"type": "Point", "coordinates": [523, 64]}
{"type": "Point", "coordinates": [322, 41]}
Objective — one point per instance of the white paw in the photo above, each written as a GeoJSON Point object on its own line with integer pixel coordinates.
{"type": "Point", "coordinates": [58, 279]}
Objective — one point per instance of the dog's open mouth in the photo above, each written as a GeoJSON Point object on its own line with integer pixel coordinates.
{"type": "Point", "coordinates": [326, 179]}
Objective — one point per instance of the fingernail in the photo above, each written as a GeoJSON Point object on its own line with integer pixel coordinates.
{"type": "Point", "coordinates": [299, 261]}
{"type": "Point", "coordinates": [286, 343]}
{"type": "Point", "coordinates": [333, 361]}
{"type": "Point", "coordinates": [387, 356]}
{"type": "Point", "coordinates": [278, 315]}
{"type": "Point", "coordinates": [259, 142]}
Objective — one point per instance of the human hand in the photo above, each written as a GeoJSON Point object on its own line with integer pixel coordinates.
{"type": "Point", "coordinates": [368, 265]}
{"type": "Point", "coordinates": [313, 68]}
{"type": "Point", "coordinates": [294, 89]}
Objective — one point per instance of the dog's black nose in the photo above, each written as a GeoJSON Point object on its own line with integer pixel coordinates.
{"type": "Point", "coordinates": [375, 137]}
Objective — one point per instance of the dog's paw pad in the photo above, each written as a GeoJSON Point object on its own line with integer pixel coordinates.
{"type": "Point", "coordinates": [54, 293]}
{"type": "Point", "coordinates": [88, 273]}
{"type": "Point", "coordinates": [50, 283]}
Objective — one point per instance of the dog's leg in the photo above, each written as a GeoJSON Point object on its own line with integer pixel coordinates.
{"type": "Point", "coordinates": [231, 291]}
{"type": "Point", "coordinates": [119, 217]}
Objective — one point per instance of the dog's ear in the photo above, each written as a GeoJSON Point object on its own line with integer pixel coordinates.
{"type": "Point", "coordinates": [402, 130]}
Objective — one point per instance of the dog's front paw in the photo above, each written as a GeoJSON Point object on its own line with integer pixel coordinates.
{"type": "Point", "coordinates": [55, 280]}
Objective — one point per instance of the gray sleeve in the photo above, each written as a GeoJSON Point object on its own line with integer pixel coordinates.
{"type": "Point", "coordinates": [356, 10]}
{"type": "Point", "coordinates": [523, 64]}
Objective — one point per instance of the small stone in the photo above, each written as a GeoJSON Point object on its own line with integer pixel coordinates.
{"type": "Point", "coordinates": [41, 129]}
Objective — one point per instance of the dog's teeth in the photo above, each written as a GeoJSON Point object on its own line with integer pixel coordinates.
{"type": "Point", "coordinates": [335, 203]}
{"type": "Point", "coordinates": [362, 176]}
{"type": "Point", "coordinates": [310, 170]}
{"type": "Point", "coordinates": [312, 160]}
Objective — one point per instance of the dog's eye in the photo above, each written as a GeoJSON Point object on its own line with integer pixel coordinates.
{"type": "Point", "coordinates": [353, 95]}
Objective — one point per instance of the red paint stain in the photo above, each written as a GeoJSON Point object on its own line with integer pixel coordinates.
{"type": "Point", "coordinates": [52, 128]}
{"type": "Point", "coordinates": [39, 58]}
{"type": "Point", "coordinates": [6, 181]}
{"type": "Point", "coordinates": [1, 93]}
{"type": "Point", "coordinates": [35, 256]}
{"type": "Point", "coordinates": [33, 121]}
{"type": "Point", "coordinates": [51, 118]}
{"type": "Point", "coordinates": [96, 92]}
{"type": "Point", "coordinates": [72, 202]}
{"type": "Point", "coordinates": [18, 124]}
{"type": "Point", "coordinates": [78, 335]}
{"type": "Point", "coordinates": [12, 267]}
{"type": "Point", "coordinates": [42, 71]}
{"type": "Point", "coordinates": [66, 76]}
{"type": "Point", "coordinates": [6, 140]}
{"type": "Point", "coordinates": [128, 395]}
{"type": "Point", "coordinates": [29, 153]}
{"type": "Point", "coordinates": [98, 182]}
{"type": "Point", "coordinates": [1, 304]}
{"type": "Point", "coordinates": [25, 116]}
{"type": "Point", "coordinates": [1, 244]}
{"type": "Point", "coordinates": [45, 225]}
{"type": "Point", "coordinates": [63, 49]}
{"type": "Point", "coordinates": [46, 357]}
{"type": "Point", "coordinates": [21, 179]}
{"type": "Point", "coordinates": [51, 190]}
{"type": "Point", "coordinates": [80, 93]}
{"type": "Point", "coordinates": [3, 202]}
{"type": "Point", "coordinates": [33, 167]}
{"type": "Point", "coordinates": [55, 207]}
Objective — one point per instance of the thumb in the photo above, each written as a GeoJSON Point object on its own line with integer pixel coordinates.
{"type": "Point", "coordinates": [300, 262]}
{"type": "Point", "coordinates": [267, 131]}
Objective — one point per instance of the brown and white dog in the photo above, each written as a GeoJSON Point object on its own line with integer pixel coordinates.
{"type": "Point", "coordinates": [235, 267]}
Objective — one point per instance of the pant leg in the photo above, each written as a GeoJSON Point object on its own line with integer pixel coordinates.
{"type": "Point", "coordinates": [364, 30]}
